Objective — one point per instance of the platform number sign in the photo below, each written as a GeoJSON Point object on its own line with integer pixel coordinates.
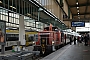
{"type": "Point", "coordinates": [77, 23]}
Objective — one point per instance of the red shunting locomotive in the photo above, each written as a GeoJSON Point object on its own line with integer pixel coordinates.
{"type": "Point", "coordinates": [48, 40]}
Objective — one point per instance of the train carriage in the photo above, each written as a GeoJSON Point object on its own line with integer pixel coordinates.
{"type": "Point", "coordinates": [12, 37]}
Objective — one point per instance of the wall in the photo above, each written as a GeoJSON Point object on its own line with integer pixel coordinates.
{"type": "Point", "coordinates": [53, 7]}
{"type": "Point", "coordinates": [65, 7]}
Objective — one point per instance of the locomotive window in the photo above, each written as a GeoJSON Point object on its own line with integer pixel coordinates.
{"type": "Point", "coordinates": [56, 30]}
{"type": "Point", "coordinates": [62, 36]}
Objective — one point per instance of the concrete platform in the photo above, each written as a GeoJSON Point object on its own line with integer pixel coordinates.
{"type": "Point", "coordinates": [70, 52]}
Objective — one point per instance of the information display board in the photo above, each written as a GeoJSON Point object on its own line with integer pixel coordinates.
{"type": "Point", "coordinates": [77, 24]}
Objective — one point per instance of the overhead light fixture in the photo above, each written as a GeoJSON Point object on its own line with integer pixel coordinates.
{"type": "Point", "coordinates": [40, 9]}
{"type": "Point", "coordinates": [77, 3]}
{"type": "Point", "coordinates": [28, 14]}
{"type": "Point", "coordinates": [0, 1]}
{"type": "Point", "coordinates": [12, 7]}
{"type": "Point", "coordinates": [55, 19]}
{"type": "Point", "coordinates": [62, 24]}
{"type": "Point", "coordinates": [77, 7]}
{"type": "Point", "coordinates": [78, 12]}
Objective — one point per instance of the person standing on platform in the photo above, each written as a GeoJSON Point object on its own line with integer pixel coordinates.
{"type": "Point", "coordinates": [70, 40]}
{"type": "Point", "coordinates": [74, 40]}
{"type": "Point", "coordinates": [86, 39]}
{"type": "Point", "coordinates": [81, 38]}
{"type": "Point", "coordinates": [89, 39]}
{"type": "Point", "coordinates": [78, 40]}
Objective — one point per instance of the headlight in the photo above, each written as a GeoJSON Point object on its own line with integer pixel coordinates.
{"type": "Point", "coordinates": [53, 42]}
{"type": "Point", "coordinates": [33, 42]}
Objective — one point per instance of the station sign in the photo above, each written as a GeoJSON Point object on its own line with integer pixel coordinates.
{"type": "Point", "coordinates": [82, 29]}
{"type": "Point", "coordinates": [77, 23]}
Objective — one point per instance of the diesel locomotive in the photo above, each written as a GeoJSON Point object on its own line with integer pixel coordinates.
{"type": "Point", "coordinates": [49, 40]}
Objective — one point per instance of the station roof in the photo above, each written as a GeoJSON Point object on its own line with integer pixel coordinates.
{"type": "Point", "coordinates": [30, 8]}
{"type": "Point", "coordinates": [80, 9]}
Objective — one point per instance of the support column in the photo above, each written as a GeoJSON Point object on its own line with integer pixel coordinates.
{"type": "Point", "coordinates": [21, 30]}
{"type": "Point", "coordinates": [69, 12]}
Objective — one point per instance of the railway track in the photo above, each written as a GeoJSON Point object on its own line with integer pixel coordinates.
{"type": "Point", "coordinates": [42, 56]}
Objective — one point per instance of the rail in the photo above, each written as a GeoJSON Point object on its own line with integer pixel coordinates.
{"type": "Point", "coordinates": [25, 55]}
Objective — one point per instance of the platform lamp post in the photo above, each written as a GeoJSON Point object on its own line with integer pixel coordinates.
{"type": "Point", "coordinates": [39, 10]}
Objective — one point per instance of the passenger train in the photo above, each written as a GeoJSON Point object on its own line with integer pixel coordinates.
{"type": "Point", "coordinates": [12, 37]}
{"type": "Point", "coordinates": [50, 39]}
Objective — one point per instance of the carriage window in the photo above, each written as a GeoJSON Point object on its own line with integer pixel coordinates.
{"type": "Point", "coordinates": [36, 37]}
{"type": "Point", "coordinates": [31, 38]}
{"type": "Point", "coordinates": [12, 37]}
